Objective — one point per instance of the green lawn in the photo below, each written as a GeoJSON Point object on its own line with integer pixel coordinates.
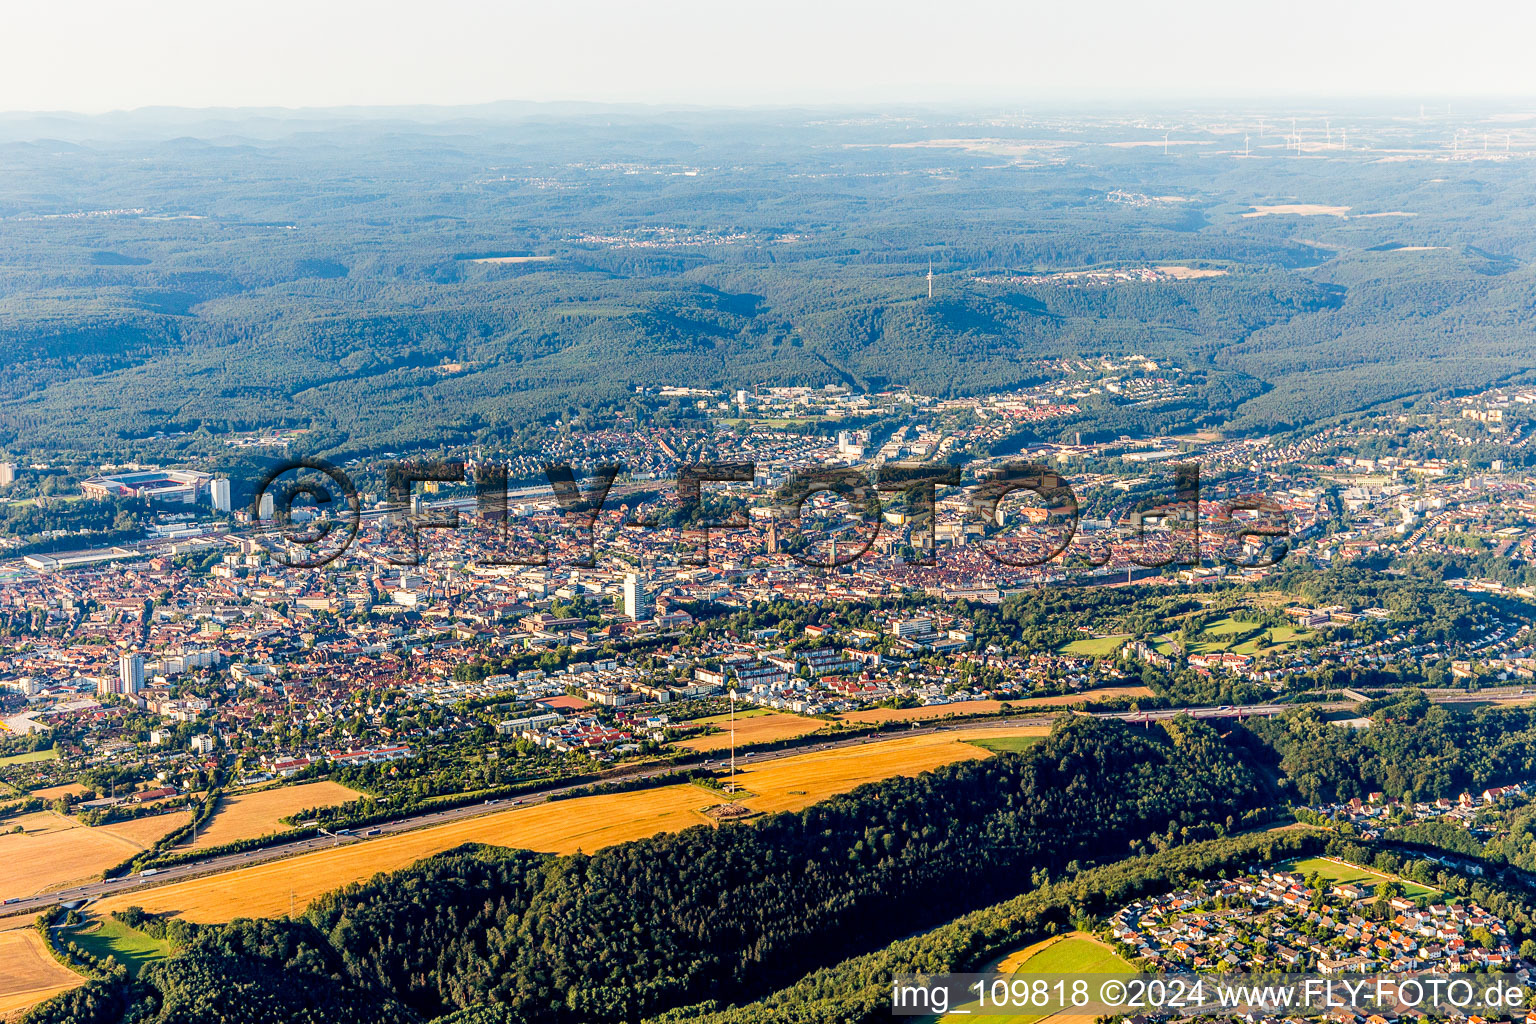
{"type": "Point", "coordinates": [1222, 635]}
{"type": "Point", "coordinates": [51, 754]}
{"type": "Point", "coordinates": [1074, 955]}
{"type": "Point", "coordinates": [1279, 636]}
{"type": "Point", "coordinates": [1006, 744]}
{"type": "Point", "coordinates": [1334, 871]}
{"type": "Point", "coordinates": [1095, 647]}
{"type": "Point", "coordinates": [1229, 634]}
{"type": "Point", "coordinates": [129, 945]}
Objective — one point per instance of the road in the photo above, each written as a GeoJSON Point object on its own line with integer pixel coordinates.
{"type": "Point", "coordinates": [228, 862]}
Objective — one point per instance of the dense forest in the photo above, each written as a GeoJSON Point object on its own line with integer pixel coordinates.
{"type": "Point", "coordinates": [710, 914]}
{"type": "Point", "coordinates": [806, 911]}
{"type": "Point", "coordinates": [473, 279]}
{"type": "Point", "coordinates": [1413, 749]}
{"type": "Point", "coordinates": [857, 991]}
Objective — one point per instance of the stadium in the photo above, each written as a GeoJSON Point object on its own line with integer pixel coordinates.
{"type": "Point", "coordinates": [149, 484]}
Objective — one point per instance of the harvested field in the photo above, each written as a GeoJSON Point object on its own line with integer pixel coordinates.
{"type": "Point", "coordinates": [1300, 210]}
{"type": "Point", "coordinates": [1179, 273]}
{"type": "Point", "coordinates": [511, 259]}
{"type": "Point", "coordinates": [30, 974]}
{"type": "Point", "coordinates": [54, 792]}
{"type": "Point", "coordinates": [251, 815]}
{"type": "Point", "coordinates": [1159, 143]}
{"type": "Point", "coordinates": [795, 782]}
{"type": "Point", "coordinates": [585, 823]}
{"type": "Point", "coordinates": [56, 851]}
{"type": "Point", "coordinates": [753, 729]}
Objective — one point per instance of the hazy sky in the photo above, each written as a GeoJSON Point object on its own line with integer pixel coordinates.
{"type": "Point", "coordinates": [96, 55]}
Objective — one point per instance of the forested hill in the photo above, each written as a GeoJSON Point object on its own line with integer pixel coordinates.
{"type": "Point", "coordinates": [398, 282]}
{"type": "Point", "coordinates": [1414, 750]}
{"type": "Point", "coordinates": [728, 914]}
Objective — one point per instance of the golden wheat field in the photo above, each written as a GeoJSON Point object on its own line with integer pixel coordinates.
{"type": "Point", "coordinates": [795, 782]}
{"type": "Point", "coordinates": [976, 707]}
{"type": "Point", "coordinates": [754, 729]}
{"type": "Point", "coordinates": [249, 815]}
{"type": "Point", "coordinates": [56, 851]}
{"type": "Point", "coordinates": [585, 823]}
{"type": "Point", "coordinates": [54, 792]}
{"type": "Point", "coordinates": [28, 974]}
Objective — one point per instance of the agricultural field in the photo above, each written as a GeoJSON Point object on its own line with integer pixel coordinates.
{"type": "Point", "coordinates": [1299, 210]}
{"type": "Point", "coordinates": [757, 726]}
{"type": "Point", "coordinates": [1072, 953]}
{"type": "Point", "coordinates": [1340, 872]}
{"type": "Point", "coordinates": [104, 937]}
{"type": "Point", "coordinates": [564, 826]}
{"type": "Point", "coordinates": [1094, 647]}
{"type": "Point", "coordinates": [30, 974]}
{"type": "Point", "coordinates": [54, 792]}
{"type": "Point", "coordinates": [794, 782]}
{"type": "Point", "coordinates": [986, 707]}
{"type": "Point", "coordinates": [54, 851]}
{"type": "Point", "coordinates": [1005, 744]}
{"type": "Point", "coordinates": [260, 813]}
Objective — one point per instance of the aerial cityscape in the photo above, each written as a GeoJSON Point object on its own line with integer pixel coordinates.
{"type": "Point", "coordinates": [767, 549]}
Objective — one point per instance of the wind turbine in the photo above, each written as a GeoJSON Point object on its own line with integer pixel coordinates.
{"type": "Point", "coordinates": [1245, 145]}
{"type": "Point", "coordinates": [1165, 142]}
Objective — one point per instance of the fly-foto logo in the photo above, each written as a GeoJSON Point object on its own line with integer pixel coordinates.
{"type": "Point", "coordinates": [1167, 533]}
